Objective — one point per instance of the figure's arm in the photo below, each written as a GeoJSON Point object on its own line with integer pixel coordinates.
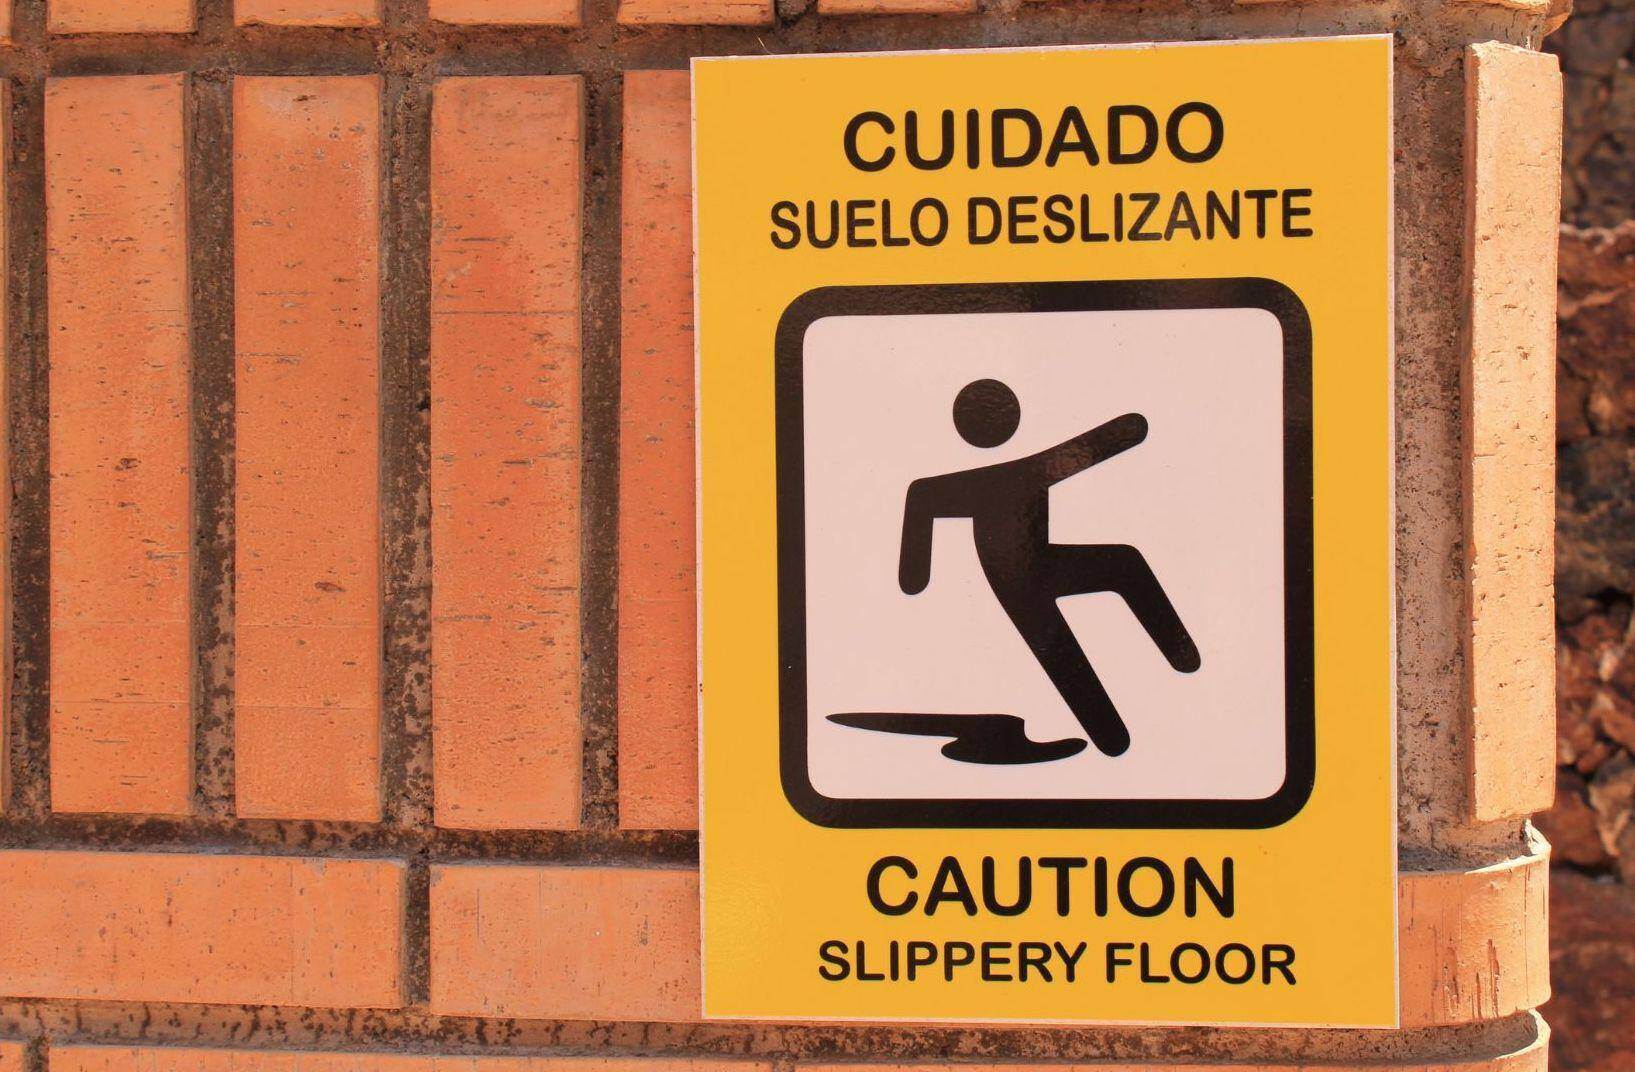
{"type": "Point", "coordinates": [1093, 447]}
{"type": "Point", "coordinates": [928, 499]}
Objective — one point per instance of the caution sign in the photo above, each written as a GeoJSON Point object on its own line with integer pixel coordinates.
{"type": "Point", "coordinates": [1045, 491]}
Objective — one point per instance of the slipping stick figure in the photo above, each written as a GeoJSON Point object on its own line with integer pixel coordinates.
{"type": "Point", "coordinates": [1009, 507]}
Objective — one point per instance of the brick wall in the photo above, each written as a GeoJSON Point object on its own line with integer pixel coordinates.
{"type": "Point", "coordinates": [350, 716]}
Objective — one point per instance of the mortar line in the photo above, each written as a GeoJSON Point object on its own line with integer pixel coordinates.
{"type": "Point", "coordinates": [28, 720]}
{"type": "Point", "coordinates": [405, 245]}
{"type": "Point", "coordinates": [600, 275]}
{"type": "Point", "coordinates": [211, 409]}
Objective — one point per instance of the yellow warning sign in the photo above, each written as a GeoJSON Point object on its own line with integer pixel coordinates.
{"type": "Point", "coordinates": [1045, 492]}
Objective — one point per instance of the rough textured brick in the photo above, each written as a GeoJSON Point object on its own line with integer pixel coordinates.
{"type": "Point", "coordinates": [169, 1059]}
{"type": "Point", "coordinates": [306, 204]}
{"type": "Point", "coordinates": [210, 929]}
{"type": "Point", "coordinates": [572, 943]}
{"type": "Point", "coordinates": [1475, 945]}
{"type": "Point", "coordinates": [1529, 1058]}
{"type": "Point", "coordinates": [117, 264]}
{"type": "Point", "coordinates": [5, 20]}
{"type": "Point", "coordinates": [505, 451]}
{"type": "Point", "coordinates": [507, 12]}
{"type": "Point", "coordinates": [897, 7]}
{"type": "Point", "coordinates": [11, 1057]}
{"type": "Point", "coordinates": [658, 671]}
{"type": "Point", "coordinates": [1513, 147]}
{"type": "Point", "coordinates": [119, 16]}
{"type": "Point", "coordinates": [307, 12]}
{"type": "Point", "coordinates": [696, 12]}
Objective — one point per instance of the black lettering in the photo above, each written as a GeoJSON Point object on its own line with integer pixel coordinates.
{"type": "Point", "coordinates": [1116, 152]}
{"type": "Point", "coordinates": [1126, 886]}
{"type": "Point", "coordinates": [784, 218]}
{"type": "Point", "coordinates": [1216, 211]}
{"type": "Point", "coordinates": [1292, 211]}
{"type": "Point", "coordinates": [849, 142]}
{"type": "Point", "coordinates": [1030, 123]}
{"type": "Point", "coordinates": [950, 885]}
{"type": "Point", "coordinates": [983, 238]}
{"type": "Point", "coordinates": [1070, 960]}
{"type": "Point", "coordinates": [920, 955]}
{"type": "Point", "coordinates": [1072, 136]}
{"type": "Point", "coordinates": [1035, 955]}
{"type": "Point", "coordinates": [1148, 203]}
{"type": "Point", "coordinates": [1059, 213]}
{"type": "Point", "coordinates": [1196, 976]}
{"type": "Point", "coordinates": [1015, 217]}
{"type": "Point", "coordinates": [1260, 197]}
{"type": "Point", "coordinates": [858, 219]}
{"type": "Point", "coordinates": [1172, 132]}
{"type": "Point", "coordinates": [915, 225]}
{"type": "Point", "coordinates": [1063, 866]}
{"type": "Point", "coordinates": [881, 905]}
{"type": "Point", "coordinates": [1195, 878]}
{"type": "Point", "coordinates": [1278, 958]}
{"type": "Point", "coordinates": [1242, 950]}
{"type": "Point", "coordinates": [1181, 217]}
{"type": "Point", "coordinates": [993, 958]}
{"type": "Point", "coordinates": [1114, 961]}
{"type": "Point", "coordinates": [834, 953]}
{"type": "Point", "coordinates": [1024, 888]}
{"type": "Point", "coordinates": [967, 953]}
{"type": "Point", "coordinates": [812, 238]}
{"type": "Point", "coordinates": [911, 142]}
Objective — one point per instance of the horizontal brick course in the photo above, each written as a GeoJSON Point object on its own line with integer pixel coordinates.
{"type": "Point", "coordinates": [211, 929]}
{"type": "Point", "coordinates": [308, 645]}
{"type": "Point", "coordinates": [121, 725]}
{"type": "Point", "coordinates": [658, 671]}
{"type": "Point", "coordinates": [898, 7]}
{"type": "Point", "coordinates": [696, 12]}
{"type": "Point", "coordinates": [307, 12]}
{"type": "Point", "coordinates": [574, 943]}
{"type": "Point", "coordinates": [1513, 148]}
{"type": "Point", "coordinates": [142, 1059]}
{"type": "Point", "coordinates": [1475, 945]}
{"type": "Point", "coordinates": [505, 451]}
{"type": "Point", "coordinates": [507, 12]}
{"type": "Point", "coordinates": [119, 16]}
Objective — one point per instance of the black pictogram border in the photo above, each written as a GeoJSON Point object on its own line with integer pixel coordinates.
{"type": "Point", "coordinates": [1084, 296]}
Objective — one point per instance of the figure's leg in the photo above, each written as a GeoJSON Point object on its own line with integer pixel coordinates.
{"type": "Point", "coordinates": [1052, 641]}
{"type": "Point", "coordinates": [1119, 568]}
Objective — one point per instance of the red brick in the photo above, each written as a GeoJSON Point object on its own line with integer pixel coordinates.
{"type": "Point", "coordinates": [1475, 945]}
{"type": "Point", "coordinates": [12, 1057]}
{"type": "Point", "coordinates": [172, 1059]}
{"type": "Point", "coordinates": [897, 7]}
{"type": "Point", "coordinates": [505, 451]}
{"type": "Point", "coordinates": [507, 12]}
{"type": "Point", "coordinates": [1513, 167]}
{"type": "Point", "coordinates": [5, 20]}
{"type": "Point", "coordinates": [119, 16]}
{"type": "Point", "coordinates": [306, 207]}
{"type": "Point", "coordinates": [573, 943]}
{"type": "Point", "coordinates": [116, 222]}
{"type": "Point", "coordinates": [658, 670]}
{"type": "Point", "coordinates": [696, 12]}
{"type": "Point", "coordinates": [307, 12]}
{"type": "Point", "coordinates": [234, 930]}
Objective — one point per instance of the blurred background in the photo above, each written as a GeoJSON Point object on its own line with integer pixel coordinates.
{"type": "Point", "coordinates": [1592, 826]}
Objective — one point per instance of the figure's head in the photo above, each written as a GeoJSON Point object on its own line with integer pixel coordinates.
{"type": "Point", "coordinates": [986, 413]}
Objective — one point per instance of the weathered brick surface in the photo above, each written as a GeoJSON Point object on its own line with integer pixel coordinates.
{"type": "Point", "coordinates": [505, 451]}
{"type": "Point", "coordinates": [507, 12]}
{"type": "Point", "coordinates": [658, 673]}
{"type": "Point", "coordinates": [306, 203]}
{"type": "Point", "coordinates": [148, 1059]}
{"type": "Point", "coordinates": [696, 12]}
{"type": "Point", "coordinates": [307, 12]}
{"type": "Point", "coordinates": [1513, 140]}
{"type": "Point", "coordinates": [117, 265]}
{"type": "Point", "coordinates": [119, 16]}
{"type": "Point", "coordinates": [597, 943]}
{"type": "Point", "coordinates": [212, 929]}
{"type": "Point", "coordinates": [1592, 963]}
{"type": "Point", "coordinates": [897, 7]}
{"type": "Point", "coordinates": [1474, 944]}
{"type": "Point", "coordinates": [12, 1056]}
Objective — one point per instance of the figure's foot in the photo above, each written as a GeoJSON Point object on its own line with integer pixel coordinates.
{"type": "Point", "coordinates": [983, 738]}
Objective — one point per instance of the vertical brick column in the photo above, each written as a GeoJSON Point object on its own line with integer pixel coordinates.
{"type": "Point", "coordinates": [307, 253]}
{"type": "Point", "coordinates": [121, 738]}
{"type": "Point", "coordinates": [658, 671]}
{"type": "Point", "coordinates": [505, 451]}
